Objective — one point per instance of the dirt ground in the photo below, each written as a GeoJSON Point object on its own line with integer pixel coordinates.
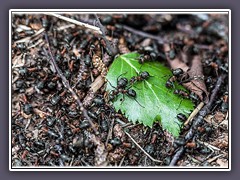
{"type": "Point", "coordinates": [50, 125]}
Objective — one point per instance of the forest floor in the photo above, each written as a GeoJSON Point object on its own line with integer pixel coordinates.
{"type": "Point", "coordinates": [65, 120]}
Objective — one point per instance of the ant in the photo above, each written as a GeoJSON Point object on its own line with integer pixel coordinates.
{"type": "Point", "coordinates": [145, 57]}
{"type": "Point", "coordinates": [186, 95]}
{"type": "Point", "coordinates": [177, 73]}
{"type": "Point", "coordinates": [181, 117]}
{"type": "Point", "coordinates": [181, 93]}
{"type": "Point", "coordinates": [121, 88]}
{"type": "Point", "coordinates": [140, 77]}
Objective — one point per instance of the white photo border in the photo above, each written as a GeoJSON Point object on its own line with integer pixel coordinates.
{"type": "Point", "coordinates": [128, 11]}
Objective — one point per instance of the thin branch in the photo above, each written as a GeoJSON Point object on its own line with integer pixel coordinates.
{"type": "Point", "coordinates": [202, 113]}
{"type": "Point", "coordinates": [113, 51]}
{"type": "Point", "coordinates": [155, 160]}
{"type": "Point", "coordinates": [144, 34]}
{"type": "Point", "coordinates": [177, 156]}
{"type": "Point", "coordinates": [84, 25]}
{"type": "Point", "coordinates": [67, 85]}
{"type": "Point", "coordinates": [110, 132]}
{"type": "Point", "coordinates": [194, 113]}
{"type": "Point", "coordinates": [27, 39]}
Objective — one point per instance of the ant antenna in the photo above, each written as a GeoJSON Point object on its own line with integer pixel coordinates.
{"type": "Point", "coordinates": [179, 104]}
{"type": "Point", "coordinates": [111, 84]}
{"type": "Point", "coordinates": [123, 98]}
{"type": "Point", "coordinates": [139, 103]}
{"type": "Point", "coordinates": [121, 75]}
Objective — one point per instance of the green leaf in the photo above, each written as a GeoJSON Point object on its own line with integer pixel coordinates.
{"type": "Point", "coordinates": [159, 103]}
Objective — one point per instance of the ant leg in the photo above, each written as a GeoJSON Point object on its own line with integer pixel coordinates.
{"type": "Point", "coordinates": [120, 76]}
{"type": "Point", "coordinates": [123, 98]}
{"type": "Point", "coordinates": [144, 83]}
{"type": "Point", "coordinates": [180, 104]}
{"type": "Point", "coordinates": [138, 103]}
{"type": "Point", "coordinates": [165, 76]}
{"type": "Point", "coordinates": [111, 84]}
{"type": "Point", "coordinates": [179, 125]}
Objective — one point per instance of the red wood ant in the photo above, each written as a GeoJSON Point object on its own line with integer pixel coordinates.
{"type": "Point", "coordinates": [186, 95]}
{"type": "Point", "coordinates": [121, 88]}
{"type": "Point", "coordinates": [140, 77]}
{"type": "Point", "coordinates": [177, 73]}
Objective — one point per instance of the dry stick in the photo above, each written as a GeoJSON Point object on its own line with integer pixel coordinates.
{"type": "Point", "coordinates": [205, 110]}
{"type": "Point", "coordinates": [109, 132]}
{"type": "Point", "coordinates": [113, 51]}
{"type": "Point", "coordinates": [27, 39]}
{"type": "Point", "coordinates": [194, 113]}
{"type": "Point", "coordinates": [155, 160]}
{"type": "Point", "coordinates": [84, 25]}
{"type": "Point", "coordinates": [143, 34]}
{"type": "Point", "coordinates": [67, 85]}
{"type": "Point", "coordinates": [100, 80]}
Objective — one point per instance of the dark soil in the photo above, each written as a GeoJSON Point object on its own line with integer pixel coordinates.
{"type": "Point", "coordinates": [49, 127]}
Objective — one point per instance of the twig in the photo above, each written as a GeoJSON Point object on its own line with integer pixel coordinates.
{"type": "Point", "coordinates": [113, 51]}
{"type": "Point", "coordinates": [205, 110]}
{"type": "Point", "coordinates": [97, 84]}
{"type": "Point", "coordinates": [155, 160]}
{"type": "Point", "coordinates": [143, 34]}
{"type": "Point", "coordinates": [209, 145]}
{"type": "Point", "coordinates": [120, 164]}
{"type": "Point", "coordinates": [67, 85]}
{"type": "Point", "coordinates": [84, 25]}
{"type": "Point", "coordinates": [214, 158]}
{"type": "Point", "coordinates": [65, 27]}
{"type": "Point", "coordinates": [177, 156]}
{"type": "Point", "coordinates": [27, 39]}
{"type": "Point", "coordinates": [194, 113]}
{"type": "Point", "coordinates": [109, 132]}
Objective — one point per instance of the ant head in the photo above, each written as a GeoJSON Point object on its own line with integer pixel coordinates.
{"type": "Point", "coordinates": [176, 91]}
{"type": "Point", "coordinates": [141, 59]}
{"type": "Point", "coordinates": [181, 117]}
{"type": "Point", "coordinates": [169, 84]}
{"type": "Point", "coordinates": [193, 97]}
{"type": "Point", "coordinates": [144, 74]}
{"type": "Point", "coordinates": [177, 72]}
{"type": "Point", "coordinates": [132, 93]}
{"type": "Point", "coordinates": [122, 82]}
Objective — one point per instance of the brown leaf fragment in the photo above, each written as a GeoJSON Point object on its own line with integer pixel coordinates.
{"type": "Point", "coordinates": [219, 117]}
{"type": "Point", "coordinates": [197, 84]}
{"type": "Point", "coordinates": [175, 62]}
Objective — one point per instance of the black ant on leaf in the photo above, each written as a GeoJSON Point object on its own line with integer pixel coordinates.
{"type": "Point", "coordinates": [121, 88]}
{"type": "Point", "coordinates": [177, 74]}
{"type": "Point", "coordinates": [140, 77]}
{"type": "Point", "coordinates": [186, 95]}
